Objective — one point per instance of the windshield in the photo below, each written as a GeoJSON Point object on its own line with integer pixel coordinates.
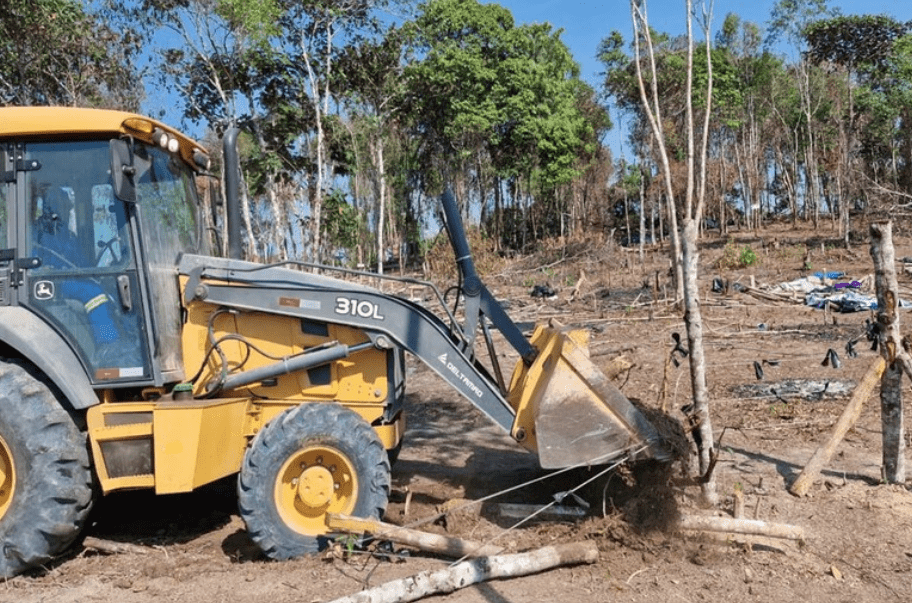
{"type": "Point", "coordinates": [166, 198]}
{"type": "Point", "coordinates": [167, 209]}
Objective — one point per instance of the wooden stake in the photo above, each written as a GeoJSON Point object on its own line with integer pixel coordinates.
{"type": "Point", "coordinates": [424, 541]}
{"type": "Point", "coordinates": [892, 349]}
{"type": "Point", "coordinates": [739, 503]}
{"type": "Point", "coordinates": [471, 572]}
{"type": "Point", "coordinates": [850, 415]}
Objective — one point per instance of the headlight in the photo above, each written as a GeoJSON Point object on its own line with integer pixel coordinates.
{"type": "Point", "coordinates": [201, 160]}
{"type": "Point", "coordinates": [160, 138]}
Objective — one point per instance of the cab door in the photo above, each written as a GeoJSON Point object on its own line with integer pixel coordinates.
{"type": "Point", "coordinates": [84, 280]}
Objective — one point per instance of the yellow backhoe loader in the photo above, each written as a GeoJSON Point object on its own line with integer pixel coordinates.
{"type": "Point", "coordinates": [130, 357]}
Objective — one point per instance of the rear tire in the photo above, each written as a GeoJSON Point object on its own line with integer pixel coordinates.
{"type": "Point", "coordinates": [46, 483]}
{"type": "Point", "coordinates": [311, 460]}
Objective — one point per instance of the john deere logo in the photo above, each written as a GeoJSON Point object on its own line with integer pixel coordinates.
{"type": "Point", "coordinates": [44, 290]}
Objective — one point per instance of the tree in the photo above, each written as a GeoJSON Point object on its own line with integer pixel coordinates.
{"type": "Point", "coordinates": [684, 249]}
{"type": "Point", "coordinates": [871, 53]}
{"type": "Point", "coordinates": [267, 66]}
{"type": "Point", "coordinates": [372, 74]}
{"type": "Point", "coordinates": [211, 60]}
{"type": "Point", "coordinates": [496, 105]}
{"type": "Point", "coordinates": [790, 18]}
{"type": "Point", "coordinates": [56, 52]}
{"type": "Point", "coordinates": [310, 31]}
{"type": "Point", "coordinates": [744, 116]}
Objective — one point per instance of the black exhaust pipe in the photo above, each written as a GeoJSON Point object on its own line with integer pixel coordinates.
{"type": "Point", "coordinates": [460, 243]}
{"type": "Point", "coordinates": [477, 296]}
{"type": "Point", "coordinates": [232, 169]}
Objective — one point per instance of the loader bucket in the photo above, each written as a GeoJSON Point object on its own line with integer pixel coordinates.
{"type": "Point", "coordinates": [569, 412]}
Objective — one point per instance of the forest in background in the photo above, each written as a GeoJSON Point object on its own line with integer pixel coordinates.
{"type": "Point", "coordinates": [354, 121]}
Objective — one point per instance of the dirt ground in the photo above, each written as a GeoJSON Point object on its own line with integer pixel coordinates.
{"type": "Point", "coordinates": [858, 544]}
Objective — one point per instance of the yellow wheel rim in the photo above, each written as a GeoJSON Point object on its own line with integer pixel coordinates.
{"type": "Point", "coordinates": [313, 482]}
{"type": "Point", "coordinates": [7, 478]}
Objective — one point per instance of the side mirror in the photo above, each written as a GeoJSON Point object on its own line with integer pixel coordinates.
{"type": "Point", "coordinates": [123, 170]}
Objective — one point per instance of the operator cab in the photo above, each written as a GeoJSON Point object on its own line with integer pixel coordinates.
{"type": "Point", "coordinates": [94, 223]}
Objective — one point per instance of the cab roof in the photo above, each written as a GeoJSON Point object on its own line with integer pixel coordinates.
{"type": "Point", "coordinates": [52, 122]}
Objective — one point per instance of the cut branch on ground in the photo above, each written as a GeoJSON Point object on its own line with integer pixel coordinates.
{"type": "Point", "coordinates": [471, 572]}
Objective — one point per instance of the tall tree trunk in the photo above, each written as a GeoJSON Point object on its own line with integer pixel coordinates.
{"type": "Point", "coordinates": [628, 235]}
{"type": "Point", "coordinates": [316, 201]}
{"type": "Point", "coordinates": [685, 256]}
{"type": "Point", "coordinates": [643, 218]}
{"type": "Point", "coordinates": [693, 321]}
{"type": "Point", "coordinates": [320, 97]}
{"type": "Point", "coordinates": [723, 221]}
{"type": "Point", "coordinates": [693, 318]}
{"type": "Point", "coordinates": [641, 27]}
{"type": "Point", "coordinates": [381, 168]}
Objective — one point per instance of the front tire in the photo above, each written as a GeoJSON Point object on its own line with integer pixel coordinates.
{"type": "Point", "coordinates": [311, 460]}
{"type": "Point", "coordinates": [46, 483]}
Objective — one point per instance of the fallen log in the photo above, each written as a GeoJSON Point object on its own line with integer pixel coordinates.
{"type": "Point", "coordinates": [424, 541]}
{"type": "Point", "coordinates": [747, 527]}
{"type": "Point", "coordinates": [850, 415]}
{"type": "Point", "coordinates": [463, 574]}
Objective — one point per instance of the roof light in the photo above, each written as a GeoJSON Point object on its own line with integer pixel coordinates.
{"type": "Point", "coordinates": [138, 125]}
{"type": "Point", "coordinates": [160, 138]}
{"type": "Point", "coordinates": [201, 160]}
{"type": "Point", "coordinates": [173, 145]}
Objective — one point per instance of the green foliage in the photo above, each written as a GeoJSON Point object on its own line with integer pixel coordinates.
{"type": "Point", "coordinates": [342, 222]}
{"type": "Point", "coordinates": [736, 256]}
{"type": "Point", "coordinates": [57, 52]}
{"type": "Point", "coordinates": [884, 108]}
{"type": "Point", "coordinates": [670, 54]}
{"type": "Point", "coordinates": [486, 85]}
{"type": "Point", "coordinates": [348, 543]}
{"type": "Point", "coordinates": [789, 18]}
{"type": "Point", "coordinates": [747, 257]}
{"type": "Point", "coordinates": [257, 18]}
{"type": "Point", "coordinates": [864, 42]}
{"type": "Point", "coordinates": [464, 95]}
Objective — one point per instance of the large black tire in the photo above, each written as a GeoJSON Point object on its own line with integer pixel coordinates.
{"type": "Point", "coordinates": [46, 483]}
{"type": "Point", "coordinates": [311, 460]}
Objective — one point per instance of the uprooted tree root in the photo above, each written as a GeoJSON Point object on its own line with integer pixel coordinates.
{"type": "Point", "coordinates": [645, 493]}
{"type": "Point", "coordinates": [642, 494]}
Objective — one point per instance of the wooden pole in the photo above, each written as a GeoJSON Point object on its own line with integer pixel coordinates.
{"type": "Point", "coordinates": [424, 541]}
{"type": "Point", "coordinates": [471, 572]}
{"type": "Point", "coordinates": [850, 415]}
{"type": "Point", "coordinates": [893, 351]}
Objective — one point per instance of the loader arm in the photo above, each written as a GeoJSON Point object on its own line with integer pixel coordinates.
{"type": "Point", "coordinates": [276, 290]}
